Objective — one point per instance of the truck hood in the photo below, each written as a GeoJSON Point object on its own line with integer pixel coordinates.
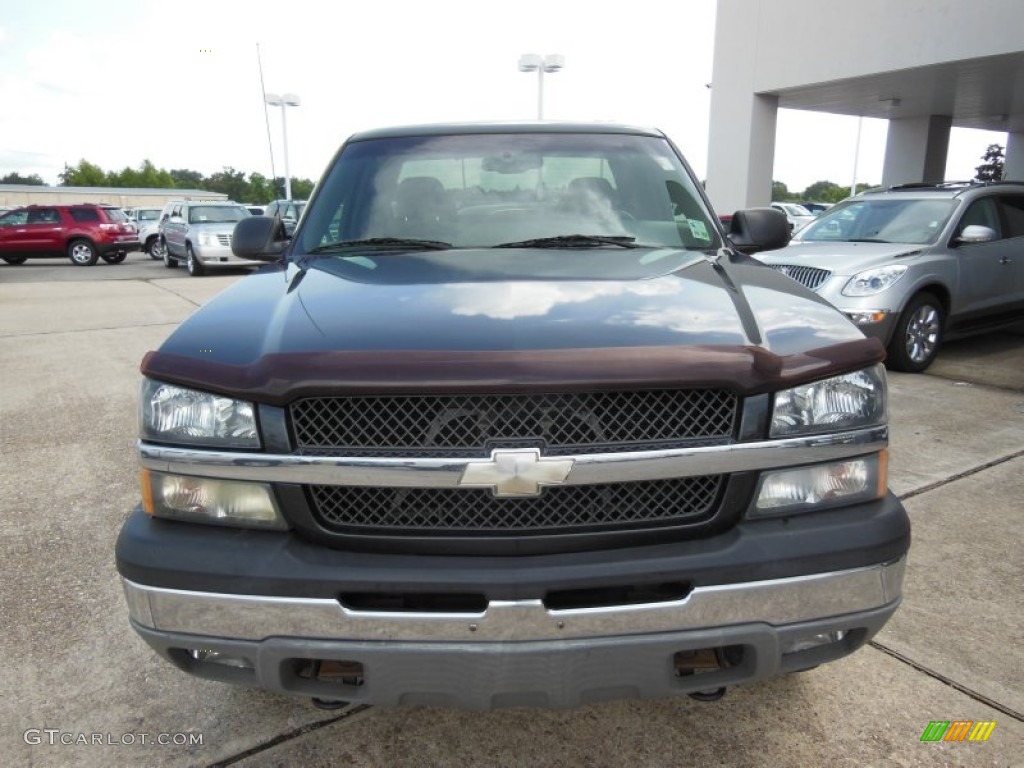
{"type": "Point", "coordinates": [841, 258]}
{"type": "Point", "coordinates": [508, 320]}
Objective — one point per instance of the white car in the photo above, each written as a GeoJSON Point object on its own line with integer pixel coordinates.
{"type": "Point", "coordinates": [798, 216]}
{"type": "Point", "coordinates": [148, 222]}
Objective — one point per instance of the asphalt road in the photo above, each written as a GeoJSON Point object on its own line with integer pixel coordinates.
{"type": "Point", "coordinates": [71, 339]}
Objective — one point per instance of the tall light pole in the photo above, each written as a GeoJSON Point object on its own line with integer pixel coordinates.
{"type": "Point", "coordinates": [531, 62]}
{"type": "Point", "coordinates": [288, 100]}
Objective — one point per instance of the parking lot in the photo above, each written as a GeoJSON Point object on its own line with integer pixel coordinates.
{"type": "Point", "coordinates": [70, 344]}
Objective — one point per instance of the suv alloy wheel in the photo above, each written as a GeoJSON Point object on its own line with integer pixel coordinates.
{"type": "Point", "coordinates": [82, 253]}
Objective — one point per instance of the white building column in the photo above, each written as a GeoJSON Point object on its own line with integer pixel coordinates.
{"type": "Point", "coordinates": [916, 149]}
{"type": "Point", "coordinates": [1013, 165]}
{"type": "Point", "coordinates": [741, 145]}
{"type": "Point", "coordinates": [741, 150]}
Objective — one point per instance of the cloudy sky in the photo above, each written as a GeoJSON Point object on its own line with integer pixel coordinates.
{"type": "Point", "coordinates": [120, 81]}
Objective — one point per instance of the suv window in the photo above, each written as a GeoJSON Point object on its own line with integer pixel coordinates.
{"type": "Point", "coordinates": [14, 218]}
{"type": "Point", "coordinates": [983, 213]}
{"type": "Point", "coordinates": [43, 216]}
{"type": "Point", "coordinates": [84, 214]}
{"type": "Point", "coordinates": [115, 214]}
{"type": "Point", "coordinates": [1013, 212]}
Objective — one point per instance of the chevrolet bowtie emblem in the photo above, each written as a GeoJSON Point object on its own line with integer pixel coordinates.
{"type": "Point", "coordinates": [516, 472]}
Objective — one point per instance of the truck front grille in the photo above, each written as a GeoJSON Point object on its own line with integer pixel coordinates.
{"type": "Point", "coordinates": [472, 425]}
{"type": "Point", "coordinates": [469, 511]}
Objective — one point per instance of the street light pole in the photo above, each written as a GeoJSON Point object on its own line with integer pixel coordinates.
{"type": "Point", "coordinates": [530, 62]}
{"type": "Point", "coordinates": [285, 101]}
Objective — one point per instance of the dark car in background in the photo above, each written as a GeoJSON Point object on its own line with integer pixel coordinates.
{"type": "Point", "coordinates": [83, 233]}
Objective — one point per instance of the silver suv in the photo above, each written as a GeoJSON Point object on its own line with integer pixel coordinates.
{"type": "Point", "coordinates": [199, 232]}
{"type": "Point", "coordinates": [917, 263]}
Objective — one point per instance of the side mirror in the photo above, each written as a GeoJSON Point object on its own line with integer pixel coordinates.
{"type": "Point", "coordinates": [759, 229]}
{"type": "Point", "coordinates": [976, 233]}
{"type": "Point", "coordinates": [260, 238]}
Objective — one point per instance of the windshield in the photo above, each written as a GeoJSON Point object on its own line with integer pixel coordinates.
{"type": "Point", "coordinates": [485, 190]}
{"type": "Point", "coordinates": [904, 220]}
{"type": "Point", "coordinates": [216, 214]}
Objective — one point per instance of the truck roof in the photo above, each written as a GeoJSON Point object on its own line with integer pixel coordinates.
{"type": "Point", "coordinates": [530, 126]}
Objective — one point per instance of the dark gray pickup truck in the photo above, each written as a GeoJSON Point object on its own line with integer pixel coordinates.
{"type": "Point", "coordinates": [510, 421]}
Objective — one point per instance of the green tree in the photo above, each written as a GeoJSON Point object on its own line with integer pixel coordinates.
{"type": "Point", "coordinates": [85, 174]}
{"type": "Point", "coordinates": [260, 189]}
{"type": "Point", "coordinates": [992, 168]}
{"type": "Point", "coordinates": [126, 177]}
{"type": "Point", "coordinates": [16, 178]}
{"type": "Point", "coordinates": [186, 179]}
{"type": "Point", "coordinates": [780, 192]}
{"type": "Point", "coordinates": [151, 177]}
{"type": "Point", "coordinates": [825, 192]}
{"type": "Point", "coordinates": [229, 182]}
{"type": "Point", "coordinates": [301, 189]}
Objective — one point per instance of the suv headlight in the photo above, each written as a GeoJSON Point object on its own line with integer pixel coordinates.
{"type": "Point", "coordinates": [849, 401]}
{"type": "Point", "coordinates": [872, 281]}
{"type": "Point", "coordinates": [173, 414]}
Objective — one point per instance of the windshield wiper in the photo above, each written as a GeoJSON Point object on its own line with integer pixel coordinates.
{"type": "Point", "coordinates": [387, 242]}
{"type": "Point", "coordinates": [866, 240]}
{"type": "Point", "coordinates": [573, 241]}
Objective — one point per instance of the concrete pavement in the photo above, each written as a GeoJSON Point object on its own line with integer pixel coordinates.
{"type": "Point", "coordinates": [69, 354]}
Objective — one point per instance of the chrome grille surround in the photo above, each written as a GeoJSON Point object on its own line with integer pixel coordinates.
{"type": "Point", "coordinates": [809, 277]}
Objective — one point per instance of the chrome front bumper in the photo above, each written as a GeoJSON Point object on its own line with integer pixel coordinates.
{"type": "Point", "coordinates": [776, 602]}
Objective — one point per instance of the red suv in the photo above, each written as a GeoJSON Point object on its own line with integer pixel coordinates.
{"type": "Point", "coordinates": [83, 233]}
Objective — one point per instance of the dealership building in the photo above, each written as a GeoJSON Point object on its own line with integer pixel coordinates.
{"type": "Point", "coordinates": [16, 195]}
{"type": "Point", "coordinates": [926, 66]}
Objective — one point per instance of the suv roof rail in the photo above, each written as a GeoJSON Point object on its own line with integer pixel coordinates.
{"type": "Point", "coordinates": [963, 186]}
{"type": "Point", "coordinates": [933, 184]}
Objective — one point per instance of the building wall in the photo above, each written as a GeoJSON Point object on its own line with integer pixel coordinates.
{"type": "Point", "coordinates": [26, 194]}
{"type": "Point", "coordinates": [800, 42]}
{"type": "Point", "coordinates": [848, 57]}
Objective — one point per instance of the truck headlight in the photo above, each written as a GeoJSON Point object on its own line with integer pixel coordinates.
{"type": "Point", "coordinates": [820, 486]}
{"type": "Point", "coordinates": [207, 500]}
{"type": "Point", "coordinates": [873, 281]}
{"type": "Point", "coordinates": [849, 401]}
{"type": "Point", "coordinates": [173, 414]}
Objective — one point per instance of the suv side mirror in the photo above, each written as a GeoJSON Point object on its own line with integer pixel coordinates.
{"type": "Point", "coordinates": [260, 238]}
{"type": "Point", "coordinates": [976, 233]}
{"type": "Point", "coordinates": [759, 229]}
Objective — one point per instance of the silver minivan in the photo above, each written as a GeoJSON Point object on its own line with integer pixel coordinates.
{"type": "Point", "coordinates": [917, 263]}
